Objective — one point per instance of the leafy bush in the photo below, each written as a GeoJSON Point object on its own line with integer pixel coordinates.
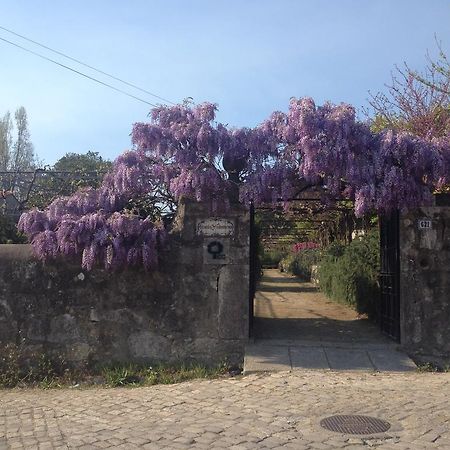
{"type": "Point", "coordinates": [300, 263]}
{"type": "Point", "coordinates": [271, 258]}
{"type": "Point", "coordinates": [349, 274]}
{"type": "Point", "coordinates": [9, 233]}
{"type": "Point", "coordinates": [287, 263]}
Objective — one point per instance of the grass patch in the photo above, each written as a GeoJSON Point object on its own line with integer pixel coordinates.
{"type": "Point", "coordinates": [432, 367]}
{"type": "Point", "coordinates": [142, 375]}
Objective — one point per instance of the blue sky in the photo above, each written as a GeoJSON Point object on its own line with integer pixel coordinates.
{"type": "Point", "coordinates": [249, 56]}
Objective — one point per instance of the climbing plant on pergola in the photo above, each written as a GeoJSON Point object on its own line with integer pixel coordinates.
{"type": "Point", "coordinates": [308, 219]}
{"type": "Point", "coordinates": [184, 152]}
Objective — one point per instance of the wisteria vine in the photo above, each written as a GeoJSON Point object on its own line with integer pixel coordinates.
{"type": "Point", "coordinates": [184, 152]}
{"type": "Point", "coordinates": [98, 223]}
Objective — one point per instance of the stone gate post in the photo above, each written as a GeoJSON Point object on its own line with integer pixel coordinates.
{"type": "Point", "coordinates": [425, 282]}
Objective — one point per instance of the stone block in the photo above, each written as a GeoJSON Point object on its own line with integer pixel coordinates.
{"type": "Point", "coordinates": [64, 329]}
{"type": "Point", "coordinates": [149, 346]}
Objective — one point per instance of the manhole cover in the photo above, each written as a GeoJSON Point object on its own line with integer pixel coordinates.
{"type": "Point", "coordinates": [355, 424]}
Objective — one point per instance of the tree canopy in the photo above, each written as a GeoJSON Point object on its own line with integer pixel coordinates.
{"type": "Point", "coordinates": [82, 162]}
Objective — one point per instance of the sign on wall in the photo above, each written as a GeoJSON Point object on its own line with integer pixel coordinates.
{"type": "Point", "coordinates": [215, 227]}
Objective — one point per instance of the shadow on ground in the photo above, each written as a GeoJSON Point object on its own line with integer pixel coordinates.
{"type": "Point", "coordinates": [320, 329]}
{"type": "Point", "coordinates": [292, 288]}
{"type": "Point", "coordinates": [297, 327]}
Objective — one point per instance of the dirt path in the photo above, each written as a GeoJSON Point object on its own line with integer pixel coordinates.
{"type": "Point", "coordinates": [288, 308]}
{"type": "Point", "coordinates": [296, 327]}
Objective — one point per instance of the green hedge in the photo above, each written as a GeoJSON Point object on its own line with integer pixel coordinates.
{"type": "Point", "coordinates": [300, 263]}
{"type": "Point", "coordinates": [349, 273]}
{"type": "Point", "coordinates": [271, 258]}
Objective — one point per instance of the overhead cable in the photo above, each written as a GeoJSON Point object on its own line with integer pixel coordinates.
{"type": "Point", "coordinates": [87, 65]}
{"type": "Point", "coordinates": [78, 72]}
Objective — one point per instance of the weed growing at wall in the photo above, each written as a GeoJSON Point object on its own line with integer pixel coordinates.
{"type": "Point", "coordinates": [134, 374]}
{"type": "Point", "coordinates": [21, 369]}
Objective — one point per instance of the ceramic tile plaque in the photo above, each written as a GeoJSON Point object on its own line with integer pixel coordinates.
{"type": "Point", "coordinates": [215, 251]}
{"type": "Point", "coordinates": [215, 227]}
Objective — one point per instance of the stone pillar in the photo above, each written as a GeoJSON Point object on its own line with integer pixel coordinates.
{"type": "Point", "coordinates": [425, 283]}
{"type": "Point", "coordinates": [218, 245]}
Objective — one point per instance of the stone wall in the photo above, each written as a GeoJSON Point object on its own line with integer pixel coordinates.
{"type": "Point", "coordinates": [425, 283]}
{"type": "Point", "coordinates": [195, 308]}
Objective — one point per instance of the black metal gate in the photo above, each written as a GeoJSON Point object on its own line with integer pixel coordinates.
{"type": "Point", "coordinates": [253, 267]}
{"type": "Point", "coordinates": [389, 310]}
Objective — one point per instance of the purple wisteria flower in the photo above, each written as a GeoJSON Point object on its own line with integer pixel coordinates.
{"type": "Point", "coordinates": [184, 152]}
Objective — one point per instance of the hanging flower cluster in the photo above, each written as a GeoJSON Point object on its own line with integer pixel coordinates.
{"type": "Point", "coordinates": [194, 155]}
{"type": "Point", "coordinates": [95, 224]}
{"type": "Point", "coordinates": [379, 171]}
{"type": "Point", "coordinates": [184, 152]}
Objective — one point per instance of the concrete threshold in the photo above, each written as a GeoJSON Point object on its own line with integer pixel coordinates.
{"type": "Point", "coordinates": [281, 355]}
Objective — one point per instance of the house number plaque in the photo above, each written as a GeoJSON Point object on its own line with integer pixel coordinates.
{"type": "Point", "coordinates": [425, 224]}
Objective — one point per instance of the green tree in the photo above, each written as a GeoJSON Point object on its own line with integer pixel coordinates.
{"type": "Point", "coordinates": [90, 162]}
{"type": "Point", "coordinates": [67, 175]}
{"type": "Point", "coordinates": [22, 155]}
{"type": "Point", "coordinates": [16, 156]}
{"type": "Point", "coordinates": [5, 141]}
{"type": "Point", "coordinates": [78, 170]}
{"type": "Point", "coordinates": [16, 148]}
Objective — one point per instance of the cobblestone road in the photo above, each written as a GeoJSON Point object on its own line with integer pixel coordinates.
{"type": "Point", "coordinates": [279, 410]}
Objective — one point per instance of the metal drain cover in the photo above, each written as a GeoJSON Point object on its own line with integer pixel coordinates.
{"type": "Point", "coordinates": [355, 424]}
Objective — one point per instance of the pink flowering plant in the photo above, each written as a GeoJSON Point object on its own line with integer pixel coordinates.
{"type": "Point", "coordinates": [301, 259]}
{"type": "Point", "coordinates": [184, 152]}
{"type": "Point", "coordinates": [299, 246]}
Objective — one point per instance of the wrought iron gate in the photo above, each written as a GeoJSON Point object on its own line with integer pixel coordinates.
{"type": "Point", "coordinates": [252, 269]}
{"type": "Point", "coordinates": [389, 310]}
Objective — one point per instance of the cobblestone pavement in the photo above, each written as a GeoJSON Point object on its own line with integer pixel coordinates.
{"type": "Point", "coordinates": [278, 410]}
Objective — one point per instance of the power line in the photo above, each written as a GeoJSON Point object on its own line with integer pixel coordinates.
{"type": "Point", "coordinates": [87, 65]}
{"type": "Point", "coordinates": [78, 72]}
